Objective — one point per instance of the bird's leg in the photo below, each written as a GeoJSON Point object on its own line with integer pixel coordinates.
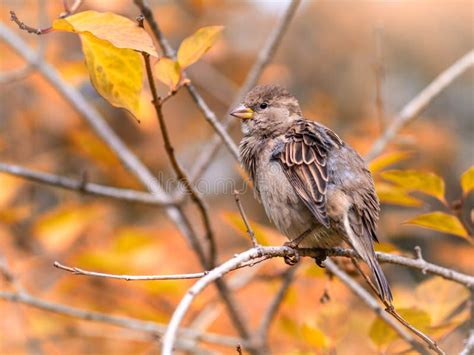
{"type": "Point", "coordinates": [293, 244]}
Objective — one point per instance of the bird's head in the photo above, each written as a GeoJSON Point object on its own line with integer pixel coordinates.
{"type": "Point", "coordinates": [267, 110]}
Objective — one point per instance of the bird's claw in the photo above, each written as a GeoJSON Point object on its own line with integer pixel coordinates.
{"type": "Point", "coordinates": [294, 258]}
{"type": "Point", "coordinates": [320, 259]}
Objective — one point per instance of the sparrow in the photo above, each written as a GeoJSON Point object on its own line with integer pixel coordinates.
{"type": "Point", "coordinates": [314, 187]}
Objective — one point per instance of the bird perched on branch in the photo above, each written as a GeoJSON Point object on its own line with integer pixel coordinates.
{"type": "Point", "coordinates": [314, 187]}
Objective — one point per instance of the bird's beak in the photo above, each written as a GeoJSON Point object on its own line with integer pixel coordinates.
{"type": "Point", "coordinates": [242, 112]}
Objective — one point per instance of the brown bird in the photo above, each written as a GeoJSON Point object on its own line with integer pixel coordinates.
{"type": "Point", "coordinates": [314, 187]}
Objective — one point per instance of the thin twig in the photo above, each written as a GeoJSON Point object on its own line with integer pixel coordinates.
{"type": "Point", "coordinates": [28, 68]}
{"type": "Point", "coordinates": [85, 187]}
{"type": "Point", "coordinates": [179, 171]}
{"type": "Point", "coordinates": [29, 29]}
{"type": "Point", "coordinates": [78, 271]}
{"type": "Point", "coordinates": [69, 10]}
{"type": "Point", "coordinates": [103, 130]}
{"type": "Point", "coordinates": [272, 310]}
{"type": "Point", "coordinates": [245, 219]}
{"type": "Point", "coordinates": [209, 115]}
{"type": "Point", "coordinates": [264, 57]}
{"type": "Point", "coordinates": [392, 311]}
{"type": "Point", "coordinates": [372, 303]}
{"type": "Point", "coordinates": [416, 105]}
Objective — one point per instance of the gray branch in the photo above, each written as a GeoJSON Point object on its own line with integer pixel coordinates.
{"type": "Point", "coordinates": [416, 105]}
{"type": "Point", "coordinates": [84, 186]}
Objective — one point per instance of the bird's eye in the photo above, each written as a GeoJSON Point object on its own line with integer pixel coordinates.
{"type": "Point", "coordinates": [263, 105]}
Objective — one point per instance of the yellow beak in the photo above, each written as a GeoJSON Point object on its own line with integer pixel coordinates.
{"type": "Point", "coordinates": [242, 112]}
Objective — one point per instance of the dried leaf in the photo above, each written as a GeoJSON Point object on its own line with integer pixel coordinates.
{"type": "Point", "coordinates": [168, 72]}
{"type": "Point", "coordinates": [382, 334]}
{"type": "Point", "coordinates": [412, 180]}
{"type": "Point", "coordinates": [195, 46]}
{"type": "Point", "coordinates": [117, 74]}
{"type": "Point", "coordinates": [441, 222]}
{"type": "Point", "coordinates": [120, 31]}
{"type": "Point", "coordinates": [467, 181]}
{"type": "Point", "coordinates": [387, 159]}
{"type": "Point", "coordinates": [395, 195]}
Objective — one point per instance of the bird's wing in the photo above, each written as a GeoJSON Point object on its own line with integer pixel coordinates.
{"type": "Point", "coordinates": [304, 161]}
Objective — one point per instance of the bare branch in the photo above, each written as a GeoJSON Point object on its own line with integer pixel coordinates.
{"type": "Point", "coordinates": [469, 345]}
{"type": "Point", "coordinates": [69, 10]}
{"type": "Point", "coordinates": [419, 264]}
{"type": "Point", "coordinates": [209, 115]}
{"type": "Point", "coordinates": [416, 105]}
{"type": "Point", "coordinates": [372, 303]}
{"type": "Point", "coordinates": [245, 219]}
{"type": "Point", "coordinates": [232, 307]}
{"type": "Point", "coordinates": [155, 329]}
{"type": "Point", "coordinates": [77, 271]}
{"type": "Point", "coordinates": [215, 274]}
{"type": "Point", "coordinates": [262, 253]}
{"type": "Point", "coordinates": [85, 187]}
{"type": "Point", "coordinates": [179, 171]}
{"type": "Point", "coordinates": [29, 29]}
{"type": "Point", "coordinates": [263, 58]}
{"type": "Point", "coordinates": [103, 130]}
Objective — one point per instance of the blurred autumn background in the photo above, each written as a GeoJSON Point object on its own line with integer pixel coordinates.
{"type": "Point", "coordinates": [353, 65]}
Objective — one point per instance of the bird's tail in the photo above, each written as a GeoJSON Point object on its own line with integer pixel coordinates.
{"type": "Point", "coordinates": [364, 247]}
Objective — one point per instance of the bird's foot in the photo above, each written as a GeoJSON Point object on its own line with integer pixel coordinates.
{"type": "Point", "coordinates": [294, 257]}
{"type": "Point", "coordinates": [320, 258]}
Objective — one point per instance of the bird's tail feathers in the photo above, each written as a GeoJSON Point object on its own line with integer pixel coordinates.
{"type": "Point", "coordinates": [363, 246]}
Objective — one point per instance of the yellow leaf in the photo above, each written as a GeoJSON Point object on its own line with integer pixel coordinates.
{"type": "Point", "coordinates": [314, 336]}
{"type": "Point", "coordinates": [441, 222]}
{"type": "Point", "coordinates": [440, 298]}
{"type": "Point", "coordinates": [467, 181]}
{"type": "Point", "coordinates": [117, 74]}
{"type": "Point", "coordinates": [58, 229]}
{"type": "Point", "coordinates": [382, 334]}
{"type": "Point", "coordinates": [168, 72]}
{"type": "Point", "coordinates": [395, 195]}
{"type": "Point", "coordinates": [412, 180]}
{"type": "Point", "coordinates": [193, 47]}
{"type": "Point", "coordinates": [388, 159]}
{"type": "Point", "coordinates": [120, 31]}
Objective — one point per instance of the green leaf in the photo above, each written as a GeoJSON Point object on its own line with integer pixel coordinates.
{"type": "Point", "coordinates": [413, 180]}
{"type": "Point", "coordinates": [387, 159]}
{"type": "Point", "coordinates": [441, 222]}
{"type": "Point", "coordinates": [382, 334]}
{"type": "Point", "coordinates": [195, 46]}
{"type": "Point", "coordinates": [467, 181]}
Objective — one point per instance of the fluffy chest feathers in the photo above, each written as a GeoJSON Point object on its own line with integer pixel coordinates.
{"type": "Point", "coordinates": [272, 188]}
